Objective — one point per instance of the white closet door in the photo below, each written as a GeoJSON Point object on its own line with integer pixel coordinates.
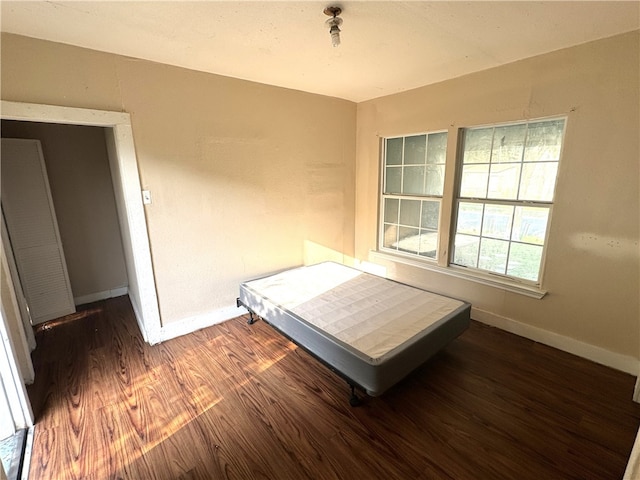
{"type": "Point", "coordinates": [33, 230]}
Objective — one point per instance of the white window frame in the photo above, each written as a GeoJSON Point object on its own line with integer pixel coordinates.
{"type": "Point", "coordinates": [400, 196]}
{"type": "Point", "coordinates": [448, 218]}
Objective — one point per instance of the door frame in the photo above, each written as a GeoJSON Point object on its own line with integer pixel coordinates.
{"type": "Point", "coordinates": [126, 183]}
{"type": "Point", "coordinates": [11, 381]}
{"type": "Point", "coordinates": [24, 342]}
{"type": "Point", "coordinates": [15, 288]}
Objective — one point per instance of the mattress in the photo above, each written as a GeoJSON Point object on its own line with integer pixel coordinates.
{"type": "Point", "coordinates": [371, 330]}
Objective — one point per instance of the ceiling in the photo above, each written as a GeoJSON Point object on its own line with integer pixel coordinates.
{"type": "Point", "coordinates": [387, 47]}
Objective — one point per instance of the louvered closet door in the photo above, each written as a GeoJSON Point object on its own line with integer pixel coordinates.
{"type": "Point", "coordinates": [33, 230]}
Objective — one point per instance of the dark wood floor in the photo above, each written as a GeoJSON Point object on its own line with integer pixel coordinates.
{"type": "Point", "coordinates": [239, 401]}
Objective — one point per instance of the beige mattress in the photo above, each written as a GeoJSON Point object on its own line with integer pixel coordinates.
{"type": "Point", "coordinates": [371, 330]}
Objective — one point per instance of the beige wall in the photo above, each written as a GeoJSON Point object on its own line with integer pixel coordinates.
{"type": "Point", "coordinates": [592, 267]}
{"type": "Point", "coordinates": [82, 192]}
{"type": "Point", "coordinates": [245, 178]}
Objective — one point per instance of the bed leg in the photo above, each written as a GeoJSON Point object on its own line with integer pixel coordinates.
{"type": "Point", "coordinates": [354, 400]}
{"type": "Point", "coordinates": [251, 320]}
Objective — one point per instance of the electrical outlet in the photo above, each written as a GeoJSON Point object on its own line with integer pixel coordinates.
{"type": "Point", "coordinates": [146, 197]}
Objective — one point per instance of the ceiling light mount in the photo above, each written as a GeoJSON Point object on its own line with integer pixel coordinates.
{"type": "Point", "coordinates": [332, 11]}
{"type": "Point", "coordinates": [334, 24]}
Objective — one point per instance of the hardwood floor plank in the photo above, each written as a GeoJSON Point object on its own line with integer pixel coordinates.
{"type": "Point", "coordinates": [238, 401]}
{"type": "Point", "coordinates": [125, 450]}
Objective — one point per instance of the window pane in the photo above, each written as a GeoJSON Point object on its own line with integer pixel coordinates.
{"type": "Point", "coordinates": [415, 150]}
{"type": "Point", "coordinates": [544, 141]}
{"type": "Point", "coordinates": [390, 236]}
{"type": "Point", "coordinates": [538, 181]}
{"type": "Point", "coordinates": [524, 261]}
{"type": "Point", "coordinates": [493, 255]}
{"type": "Point", "coordinates": [503, 180]}
{"type": "Point", "coordinates": [437, 148]}
{"type": "Point", "coordinates": [413, 180]}
{"type": "Point", "coordinates": [391, 207]}
{"type": "Point", "coordinates": [530, 224]}
{"type": "Point", "coordinates": [394, 151]}
{"type": "Point", "coordinates": [497, 221]}
{"type": "Point", "coordinates": [428, 243]}
{"type": "Point", "coordinates": [474, 181]}
{"type": "Point", "coordinates": [477, 145]}
{"type": "Point", "coordinates": [469, 218]}
{"type": "Point", "coordinates": [466, 250]}
{"type": "Point", "coordinates": [393, 180]}
{"type": "Point", "coordinates": [430, 214]}
{"type": "Point", "coordinates": [435, 180]}
{"type": "Point", "coordinates": [408, 239]}
{"type": "Point", "coordinates": [410, 212]}
{"type": "Point", "coordinates": [508, 143]}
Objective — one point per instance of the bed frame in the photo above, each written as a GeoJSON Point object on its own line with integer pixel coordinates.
{"type": "Point", "coordinates": [369, 330]}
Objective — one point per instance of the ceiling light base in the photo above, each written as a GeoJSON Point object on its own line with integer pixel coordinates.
{"type": "Point", "coordinates": [332, 11]}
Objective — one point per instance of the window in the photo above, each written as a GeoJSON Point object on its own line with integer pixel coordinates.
{"type": "Point", "coordinates": [506, 192]}
{"type": "Point", "coordinates": [501, 203]}
{"type": "Point", "coordinates": [412, 191]}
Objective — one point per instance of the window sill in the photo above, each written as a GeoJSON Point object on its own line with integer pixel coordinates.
{"type": "Point", "coordinates": [461, 272]}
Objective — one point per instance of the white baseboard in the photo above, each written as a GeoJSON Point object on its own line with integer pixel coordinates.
{"type": "Point", "coordinates": [624, 363]}
{"type": "Point", "coordinates": [197, 322]}
{"type": "Point", "coordinates": [636, 391]}
{"type": "Point", "coordinates": [94, 297]}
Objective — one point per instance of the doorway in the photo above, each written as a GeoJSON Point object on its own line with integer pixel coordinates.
{"type": "Point", "coordinates": [81, 220]}
{"type": "Point", "coordinates": [131, 219]}
{"type": "Point", "coordinates": [127, 191]}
